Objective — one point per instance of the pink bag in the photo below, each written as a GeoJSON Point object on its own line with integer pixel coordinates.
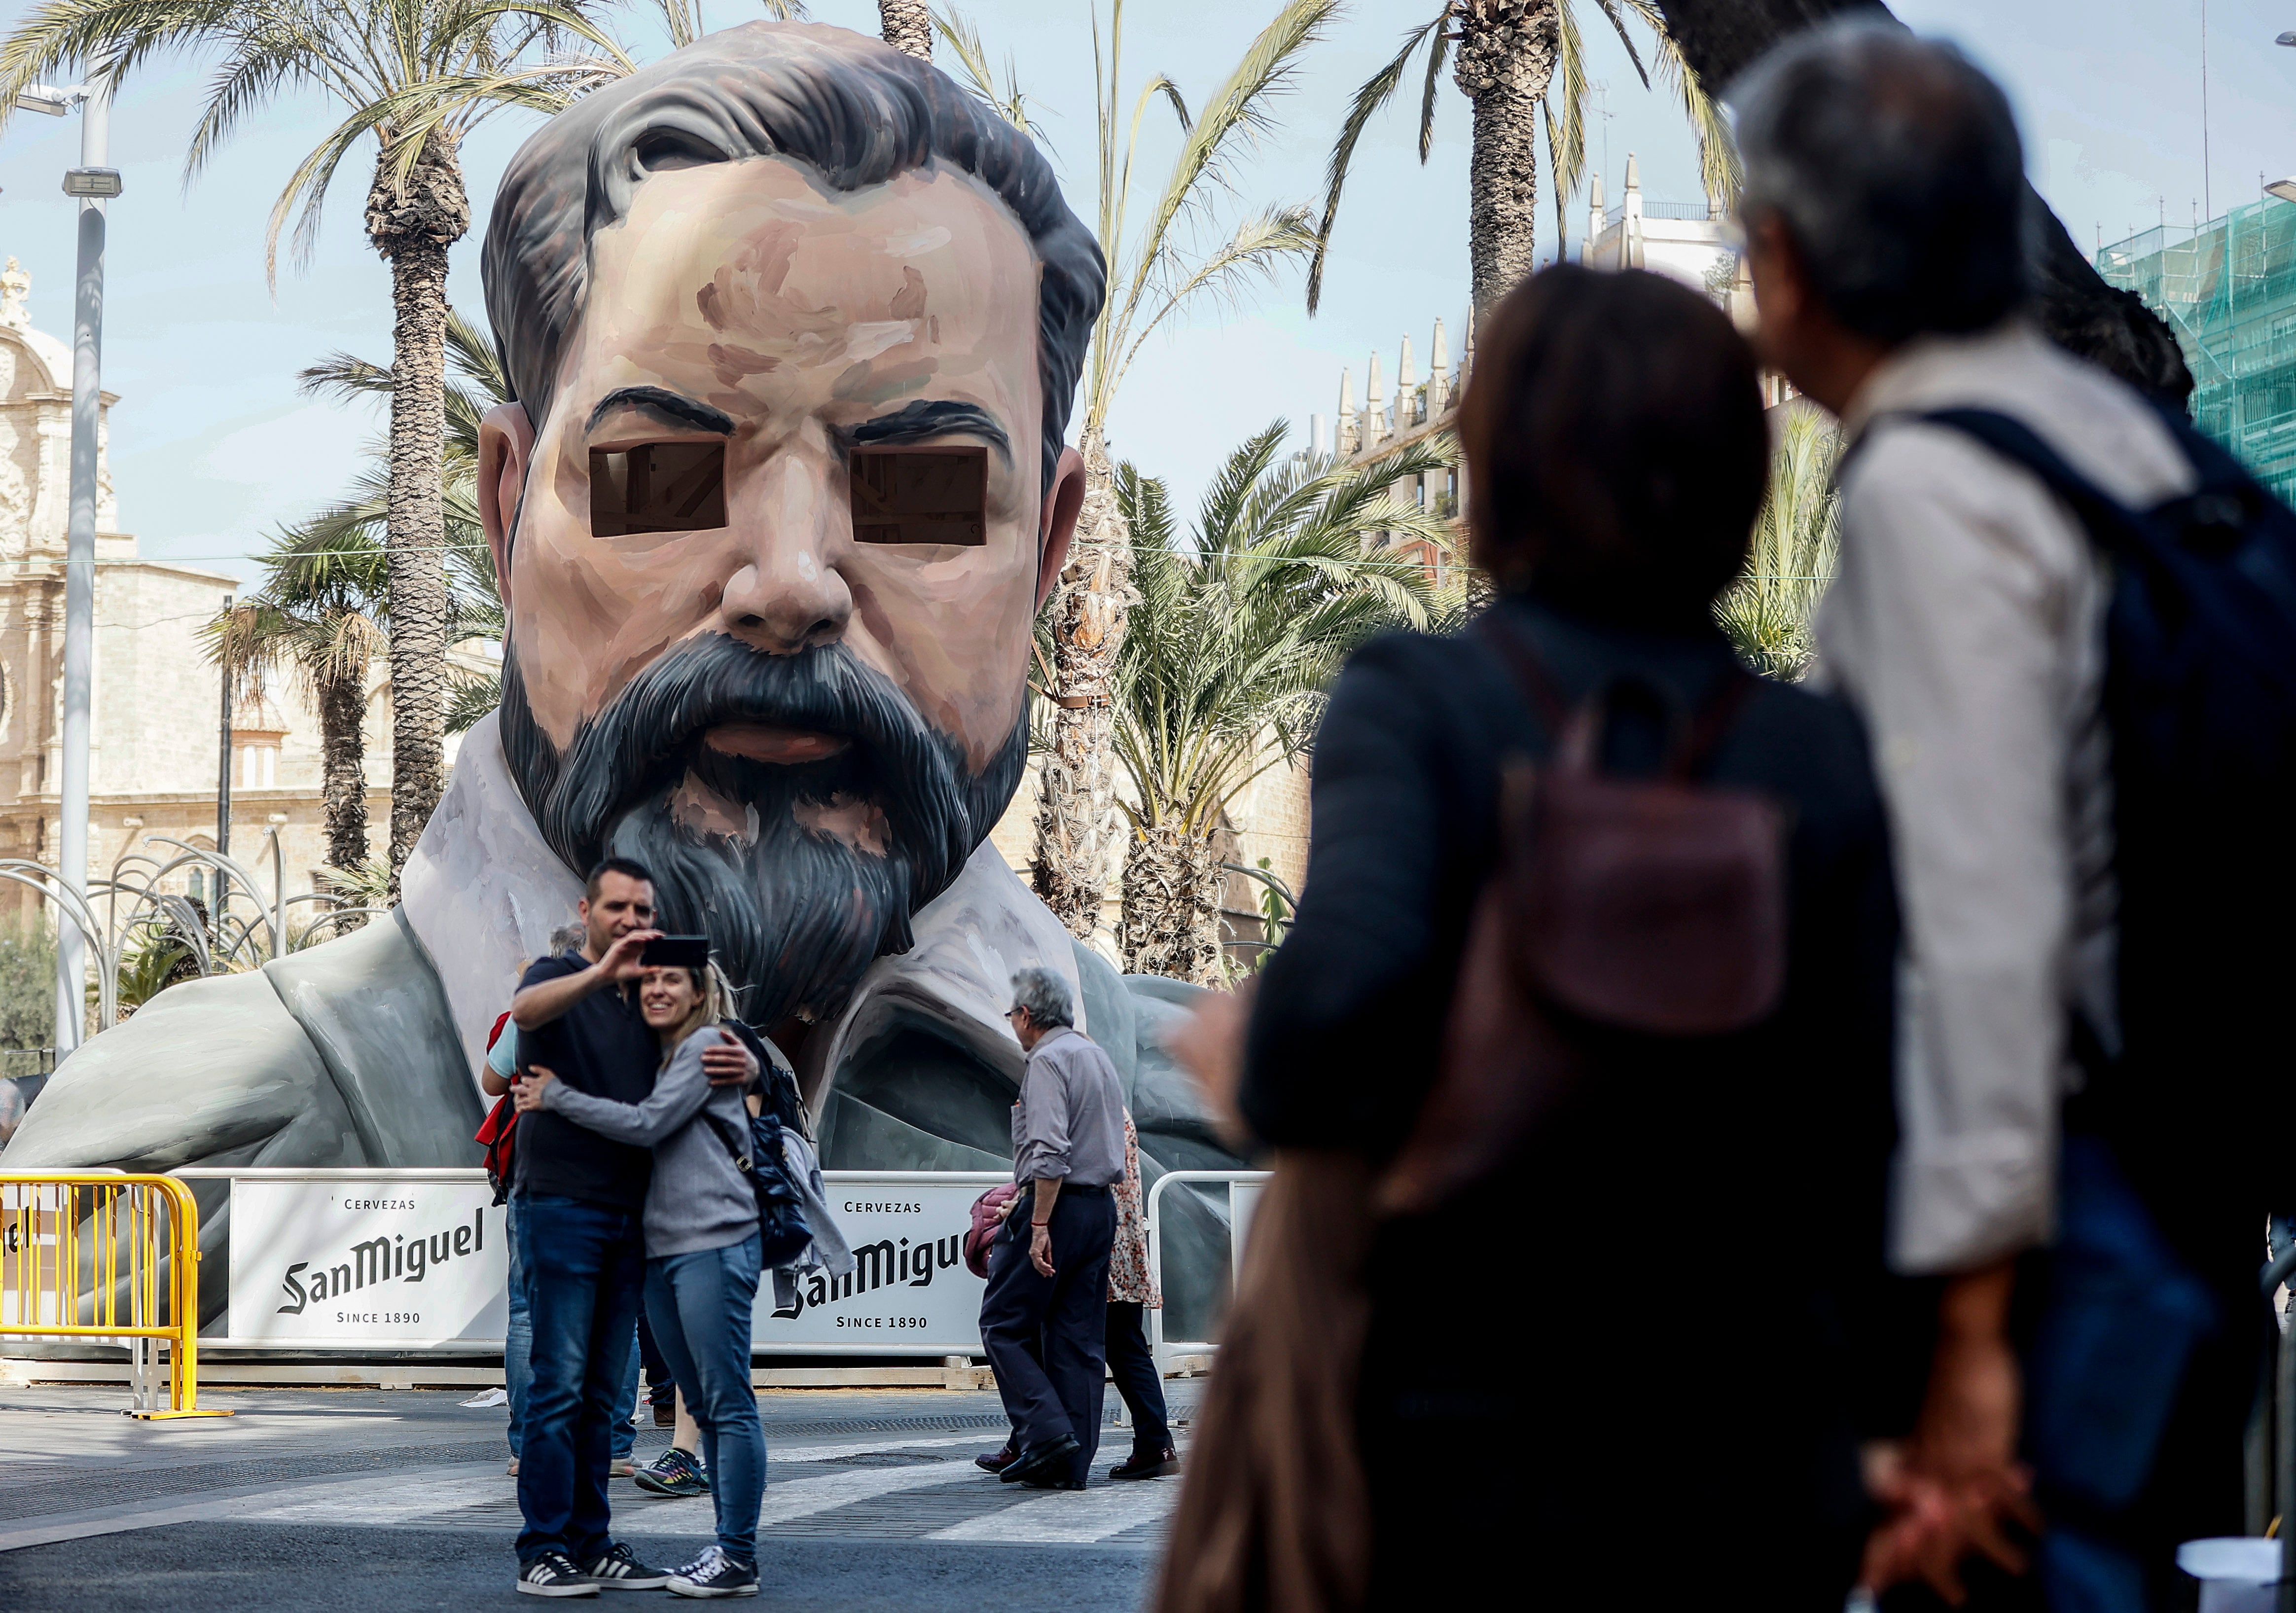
{"type": "Point", "coordinates": [985, 1225]}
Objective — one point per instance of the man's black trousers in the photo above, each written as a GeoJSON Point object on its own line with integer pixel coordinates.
{"type": "Point", "coordinates": [1045, 1336]}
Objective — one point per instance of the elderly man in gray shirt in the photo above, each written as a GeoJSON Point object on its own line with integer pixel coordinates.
{"type": "Point", "coordinates": [1043, 1315]}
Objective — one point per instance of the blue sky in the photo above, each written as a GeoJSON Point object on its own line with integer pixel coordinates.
{"type": "Point", "coordinates": [212, 445]}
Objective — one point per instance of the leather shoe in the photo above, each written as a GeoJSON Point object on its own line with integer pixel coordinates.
{"type": "Point", "coordinates": [1148, 1464]}
{"type": "Point", "coordinates": [997, 1462]}
{"type": "Point", "coordinates": [1041, 1460]}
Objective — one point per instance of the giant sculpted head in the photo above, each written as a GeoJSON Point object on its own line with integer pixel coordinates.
{"type": "Point", "coordinates": [793, 325]}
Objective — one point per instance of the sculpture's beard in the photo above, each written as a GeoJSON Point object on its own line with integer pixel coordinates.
{"type": "Point", "coordinates": [801, 874]}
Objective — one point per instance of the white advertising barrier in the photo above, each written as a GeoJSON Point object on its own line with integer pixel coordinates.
{"type": "Point", "coordinates": [419, 1260]}
{"type": "Point", "coordinates": [908, 1293]}
{"type": "Point", "coordinates": [365, 1260]}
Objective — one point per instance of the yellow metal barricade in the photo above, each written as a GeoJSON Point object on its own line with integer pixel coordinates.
{"type": "Point", "coordinates": [106, 1255]}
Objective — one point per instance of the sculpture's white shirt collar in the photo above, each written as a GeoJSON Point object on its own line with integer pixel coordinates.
{"type": "Point", "coordinates": [483, 891]}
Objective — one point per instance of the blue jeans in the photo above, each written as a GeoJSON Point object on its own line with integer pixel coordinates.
{"type": "Point", "coordinates": [698, 1307]}
{"type": "Point", "coordinates": [584, 1268]}
{"type": "Point", "coordinates": [518, 1337]}
{"type": "Point", "coordinates": [517, 1359]}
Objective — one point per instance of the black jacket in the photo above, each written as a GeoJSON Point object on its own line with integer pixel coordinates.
{"type": "Point", "coordinates": [1690, 1261]}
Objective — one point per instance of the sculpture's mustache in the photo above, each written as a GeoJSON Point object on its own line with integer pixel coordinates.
{"type": "Point", "coordinates": [703, 706]}
{"type": "Point", "coordinates": [849, 811]}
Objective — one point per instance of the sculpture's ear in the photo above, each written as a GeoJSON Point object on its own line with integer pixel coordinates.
{"type": "Point", "coordinates": [506, 449]}
{"type": "Point", "coordinates": [1062, 500]}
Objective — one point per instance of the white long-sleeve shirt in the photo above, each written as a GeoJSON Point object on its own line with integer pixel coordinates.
{"type": "Point", "coordinates": [1965, 623]}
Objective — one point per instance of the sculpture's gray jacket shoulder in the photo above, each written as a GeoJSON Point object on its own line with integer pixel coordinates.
{"type": "Point", "coordinates": [343, 1055]}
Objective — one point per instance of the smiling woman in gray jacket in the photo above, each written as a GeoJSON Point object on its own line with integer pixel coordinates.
{"type": "Point", "coordinates": [703, 1256]}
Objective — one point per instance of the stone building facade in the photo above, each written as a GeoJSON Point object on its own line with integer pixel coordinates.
{"type": "Point", "coordinates": [156, 720]}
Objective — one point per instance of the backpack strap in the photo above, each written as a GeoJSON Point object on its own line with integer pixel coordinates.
{"type": "Point", "coordinates": [2128, 537]}
{"type": "Point", "coordinates": [1707, 726]}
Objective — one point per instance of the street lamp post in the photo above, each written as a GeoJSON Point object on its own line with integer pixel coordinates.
{"type": "Point", "coordinates": [94, 182]}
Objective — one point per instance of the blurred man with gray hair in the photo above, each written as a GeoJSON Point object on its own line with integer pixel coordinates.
{"type": "Point", "coordinates": [1044, 1315]}
{"type": "Point", "coordinates": [1884, 209]}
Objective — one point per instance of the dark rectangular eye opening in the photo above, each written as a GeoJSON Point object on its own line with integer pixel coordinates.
{"type": "Point", "coordinates": [921, 496]}
{"type": "Point", "coordinates": [657, 487]}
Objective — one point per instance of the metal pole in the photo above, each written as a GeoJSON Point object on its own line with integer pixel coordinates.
{"type": "Point", "coordinates": [79, 556]}
{"type": "Point", "coordinates": [222, 777]}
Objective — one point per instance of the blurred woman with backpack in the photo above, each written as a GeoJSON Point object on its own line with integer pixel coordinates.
{"type": "Point", "coordinates": [1575, 1060]}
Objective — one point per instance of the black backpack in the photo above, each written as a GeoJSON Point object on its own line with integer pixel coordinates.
{"type": "Point", "coordinates": [2199, 695]}
{"type": "Point", "coordinates": [783, 1234]}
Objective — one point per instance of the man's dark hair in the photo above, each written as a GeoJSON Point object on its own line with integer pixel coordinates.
{"type": "Point", "coordinates": [1895, 168]}
{"type": "Point", "coordinates": [858, 112]}
{"type": "Point", "coordinates": [629, 868]}
{"type": "Point", "coordinates": [1615, 445]}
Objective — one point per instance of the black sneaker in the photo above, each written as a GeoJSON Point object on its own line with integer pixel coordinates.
{"type": "Point", "coordinates": [619, 1569]}
{"type": "Point", "coordinates": [715, 1574]}
{"type": "Point", "coordinates": [674, 1472]}
{"type": "Point", "coordinates": [554, 1574]}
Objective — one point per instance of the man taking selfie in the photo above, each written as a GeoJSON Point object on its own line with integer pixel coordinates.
{"type": "Point", "coordinates": [580, 1238]}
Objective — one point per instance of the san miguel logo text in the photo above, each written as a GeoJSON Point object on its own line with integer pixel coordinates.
{"type": "Point", "coordinates": [394, 1260]}
{"type": "Point", "coordinates": [878, 1265]}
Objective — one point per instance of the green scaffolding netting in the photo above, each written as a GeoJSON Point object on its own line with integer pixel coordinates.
{"type": "Point", "coordinates": [2228, 289]}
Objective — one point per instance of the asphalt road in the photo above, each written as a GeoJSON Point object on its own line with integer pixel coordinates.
{"type": "Point", "coordinates": [235, 1566]}
{"type": "Point", "coordinates": [357, 1500]}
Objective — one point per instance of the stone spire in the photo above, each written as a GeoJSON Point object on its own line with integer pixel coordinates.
{"type": "Point", "coordinates": [1438, 374]}
{"type": "Point", "coordinates": [1374, 429]}
{"type": "Point", "coordinates": [1630, 227]}
{"type": "Point", "coordinates": [15, 291]}
{"type": "Point", "coordinates": [1594, 219]}
{"type": "Point", "coordinates": [1350, 433]}
{"type": "Point", "coordinates": [1406, 388]}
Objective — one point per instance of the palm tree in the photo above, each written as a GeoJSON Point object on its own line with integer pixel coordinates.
{"type": "Point", "coordinates": [416, 76]}
{"type": "Point", "coordinates": [1233, 637]}
{"type": "Point", "coordinates": [1523, 65]}
{"type": "Point", "coordinates": [1767, 610]}
{"type": "Point", "coordinates": [1151, 278]}
{"type": "Point", "coordinates": [319, 615]}
{"type": "Point", "coordinates": [906, 25]}
{"type": "Point", "coordinates": [322, 612]}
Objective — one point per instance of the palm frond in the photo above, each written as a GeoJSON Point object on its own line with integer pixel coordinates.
{"type": "Point", "coordinates": [345, 377]}
{"type": "Point", "coordinates": [1371, 95]}
{"type": "Point", "coordinates": [1235, 116]}
{"type": "Point", "coordinates": [1719, 167]}
{"type": "Point", "coordinates": [474, 696]}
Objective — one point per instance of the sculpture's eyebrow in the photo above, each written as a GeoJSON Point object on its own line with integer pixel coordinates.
{"type": "Point", "coordinates": [927, 417]}
{"type": "Point", "coordinates": [673, 406]}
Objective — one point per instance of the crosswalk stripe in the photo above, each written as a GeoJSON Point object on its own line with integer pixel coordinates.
{"type": "Point", "coordinates": [832, 1453]}
{"type": "Point", "coordinates": [1071, 1517]}
{"type": "Point", "coordinates": [386, 1504]}
{"type": "Point", "coordinates": [804, 1497]}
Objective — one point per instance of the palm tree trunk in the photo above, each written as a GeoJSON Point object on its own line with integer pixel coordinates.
{"type": "Point", "coordinates": [413, 230]}
{"type": "Point", "coordinates": [1077, 814]}
{"type": "Point", "coordinates": [906, 26]}
{"type": "Point", "coordinates": [1172, 885]}
{"type": "Point", "coordinates": [1505, 60]}
{"type": "Point", "coordinates": [343, 756]}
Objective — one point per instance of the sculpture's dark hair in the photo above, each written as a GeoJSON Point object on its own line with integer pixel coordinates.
{"type": "Point", "coordinates": [629, 868]}
{"type": "Point", "coordinates": [1896, 168]}
{"type": "Point", "coordinates": [1615, 444]}
{"type": "Point", "coordinates": [856, 110]}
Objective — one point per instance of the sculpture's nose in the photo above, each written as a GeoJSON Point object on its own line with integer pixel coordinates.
{"type": "Point", "coordinates": [786, 591]}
